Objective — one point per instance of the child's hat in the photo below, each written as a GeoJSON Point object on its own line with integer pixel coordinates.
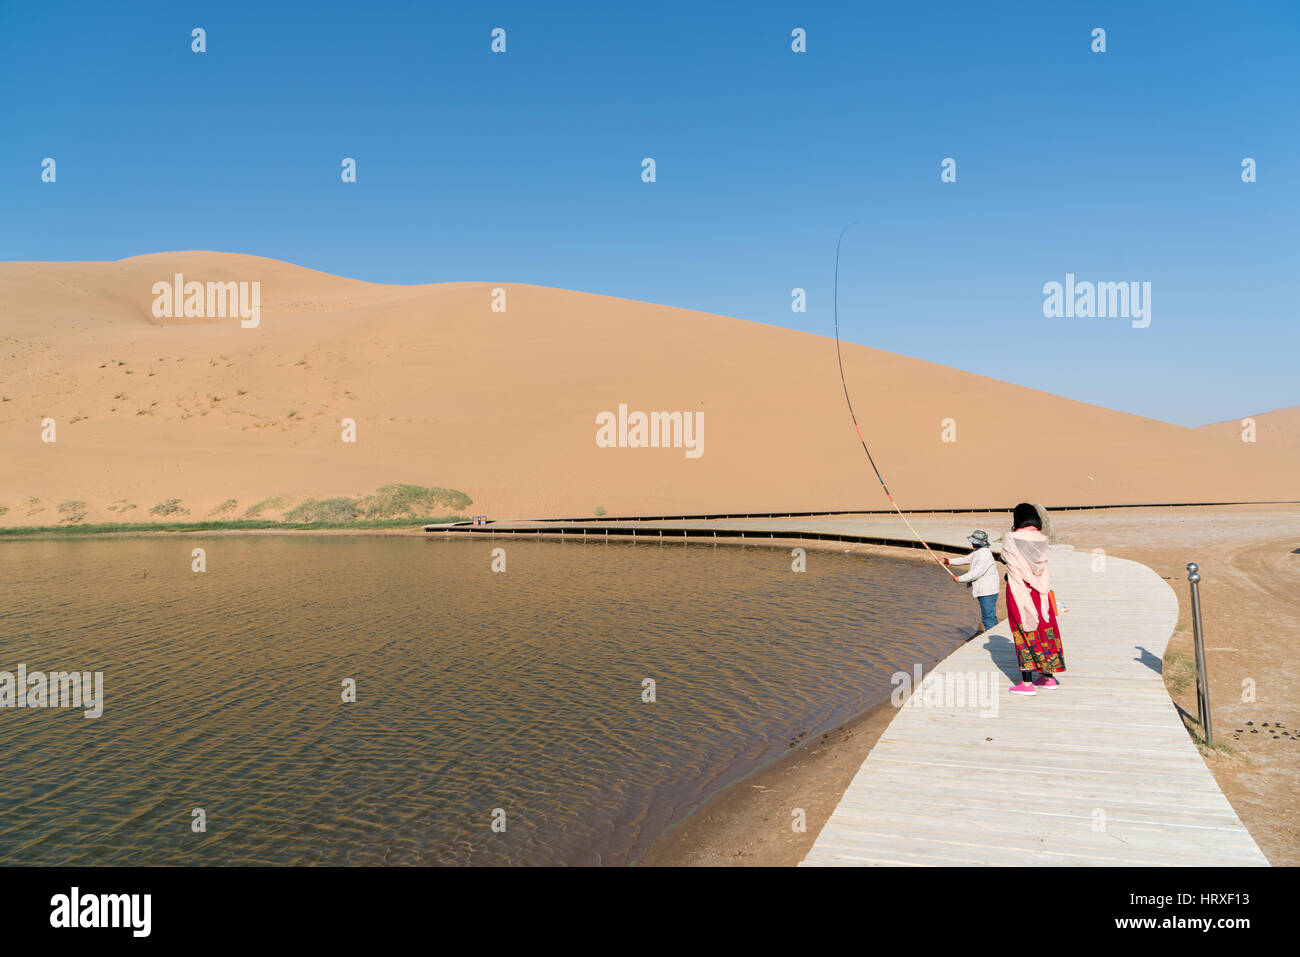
{"type": "Point", "coordinates": [978, 538]}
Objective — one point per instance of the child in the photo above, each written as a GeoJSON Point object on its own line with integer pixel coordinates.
{"type": "Point", "coordinates": [982, 577]}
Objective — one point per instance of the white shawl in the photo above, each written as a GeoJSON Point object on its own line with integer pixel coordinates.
{"type": "Point", "coordinates": [1025, 554]}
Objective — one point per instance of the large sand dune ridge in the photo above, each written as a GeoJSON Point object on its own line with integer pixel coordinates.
{"type": "Point", "coordinates": [503, 406]}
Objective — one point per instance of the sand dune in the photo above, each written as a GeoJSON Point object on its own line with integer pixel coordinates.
{"type": "Point", "coordinates": [1279, 429]}
{"type": "Point", "coordinates": [503, 406]}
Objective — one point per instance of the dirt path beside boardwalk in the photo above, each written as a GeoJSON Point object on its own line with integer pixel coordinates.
{"type": "Point", "coordinates": [1250, 597]}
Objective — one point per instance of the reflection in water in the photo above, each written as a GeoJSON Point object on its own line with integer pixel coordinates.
{"type": "Point", "coordinates": [475, 691]}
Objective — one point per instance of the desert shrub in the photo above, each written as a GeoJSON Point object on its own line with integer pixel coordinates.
{"type": "Point", "coordinates": [226, 507]}
{"type": "Point", "coordinates": [415, 501]}
{"type": "Point", "coordinates": [276, 503]}
{"type": "Point", "coordinates": [600, 511]}
{"type": "Point", "coordinates": [72, 511]}
{"type": "Point", "coordinates": [325, 510]}
{"type": "Point", "coordinates": [170, 507]}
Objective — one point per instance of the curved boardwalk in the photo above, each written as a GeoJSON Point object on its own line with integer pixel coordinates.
{"type": "Point", "coordinates": [1097, 772]}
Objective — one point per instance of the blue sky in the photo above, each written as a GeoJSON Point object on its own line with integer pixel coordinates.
{"type": "Point", "coordinates": [526, 167]}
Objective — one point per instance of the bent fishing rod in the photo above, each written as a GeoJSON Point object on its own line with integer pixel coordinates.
{"type": "Point", "coordinates": [844, 382]}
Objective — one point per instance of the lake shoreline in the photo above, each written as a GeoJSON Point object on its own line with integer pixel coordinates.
{"type": "Point", "coordinates": [750, 822]}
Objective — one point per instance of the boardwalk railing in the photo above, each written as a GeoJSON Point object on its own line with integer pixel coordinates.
{"type": "Point", "coordinates": [592, 531]}
{"type": "Point", "coordinates": [975, 509]}
{"type": "Point", "coordinates": [1202, 679]}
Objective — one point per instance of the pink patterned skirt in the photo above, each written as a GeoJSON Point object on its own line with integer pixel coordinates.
{"type": "Point", "coordinates": [1039, 650]}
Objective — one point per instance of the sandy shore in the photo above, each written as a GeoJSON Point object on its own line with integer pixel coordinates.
{"type": "Point", "coordinates": [1250, 608]}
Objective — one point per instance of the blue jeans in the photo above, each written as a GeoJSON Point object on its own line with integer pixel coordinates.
{"type": "Point", "coordinates": [989, 610]}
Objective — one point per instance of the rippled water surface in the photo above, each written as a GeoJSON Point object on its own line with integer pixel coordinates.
{"type": "Point", "coordinates": [475, 691]}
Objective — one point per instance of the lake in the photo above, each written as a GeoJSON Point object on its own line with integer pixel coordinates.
{"type": "Point", "coordinates": [479, 696]}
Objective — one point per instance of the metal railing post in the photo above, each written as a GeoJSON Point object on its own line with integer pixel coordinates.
{"type": "Point", "coordinates": [1202, 679]}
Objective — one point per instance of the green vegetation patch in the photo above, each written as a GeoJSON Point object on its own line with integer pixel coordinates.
{"type": "Point", "coordinates": [276, 503]}
{"type": "Point", "coordinates": [1179, 670]}
{"type": "Point", "coordinates": [394, 501]}
{"type": "Point", "coordinates": [329, 510]}
{"type": "Point", "coordinates": [220, 526]}
{"type": "Point", "coordinates": [390, 506]}
{"type": "Point", "coordinates": [72, 511]}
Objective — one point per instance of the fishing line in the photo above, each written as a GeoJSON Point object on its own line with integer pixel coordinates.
{"type": "Point", "coordinates": [844, 382]}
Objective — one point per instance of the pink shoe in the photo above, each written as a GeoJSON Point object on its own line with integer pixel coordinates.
{"type": "Point", "coordinates": [1024, 688]}
{"type": "Point", "coordinates": [1046, 681]}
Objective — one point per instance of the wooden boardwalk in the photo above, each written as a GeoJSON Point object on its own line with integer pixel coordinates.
{"type": "Point", "coordinates": [1097, 772]}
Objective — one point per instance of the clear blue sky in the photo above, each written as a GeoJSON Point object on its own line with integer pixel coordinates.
{"type": "Point", "coordinates": [526, 167]}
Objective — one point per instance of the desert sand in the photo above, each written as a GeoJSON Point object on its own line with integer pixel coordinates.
{"type": "Point", "coordinates": [1277, 429]}
{"type": "Point", "coordinates": [502, 405]}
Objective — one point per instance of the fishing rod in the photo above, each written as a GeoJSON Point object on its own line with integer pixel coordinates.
{"type": "Point", "coordinates": [844, 382]}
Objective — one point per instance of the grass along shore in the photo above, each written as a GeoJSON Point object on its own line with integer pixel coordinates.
{"type": "Point", "coordinates": [239, 525]}
{"type": "Point", "coordinates": [389, 506]}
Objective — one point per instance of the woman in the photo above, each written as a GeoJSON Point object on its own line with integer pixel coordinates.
{"type": "Point", "coordinates": [1031, 610]}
